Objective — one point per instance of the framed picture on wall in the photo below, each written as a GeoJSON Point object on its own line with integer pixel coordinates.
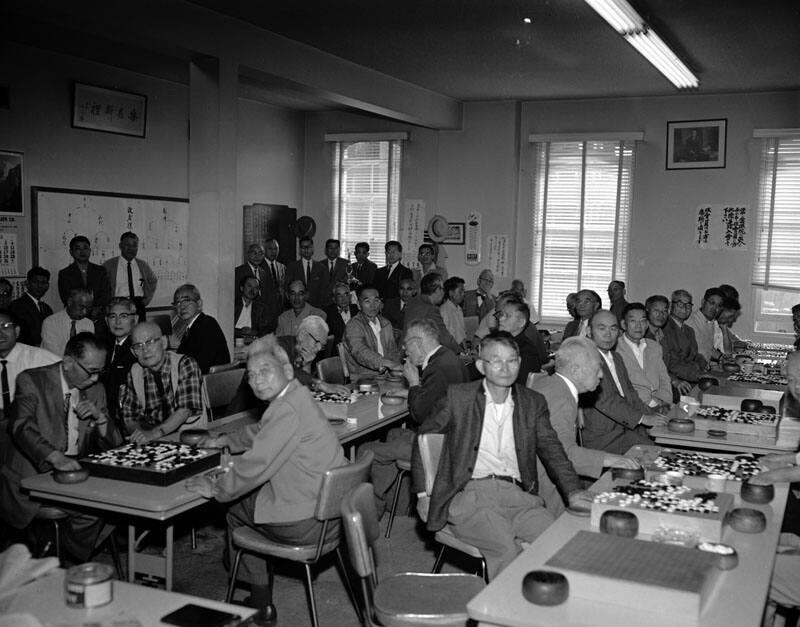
{"type": "Point", "coordinates": [11, 182]}
{"type": "Point", "coordinates": [109, 110]}
{"type": "Point", "coordinates": [455, 234]}
{"type": "Point", "coordinates": [696, 144]}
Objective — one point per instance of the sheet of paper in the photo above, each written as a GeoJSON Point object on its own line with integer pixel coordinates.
{"type": "Point", "coordinates": [498, 254]}
{"type": "Point", "coordinates": [722, 227]}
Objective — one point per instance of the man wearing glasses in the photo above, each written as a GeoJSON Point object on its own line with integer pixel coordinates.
{"type": "Point", "coordinates": [163, 388]}
{"type": "Point", "coordinates": [684, 363]}
{"type": "Point", "coordinates": [58, 328]}
{"type": "Point", "coordinates": [60, 416]}
{"type": "Point", "coordinates": [203, 339]}
{"type": "Point", "coordinates": [487, 487]}
{"type": "Point", "coordinates": [480, 302]}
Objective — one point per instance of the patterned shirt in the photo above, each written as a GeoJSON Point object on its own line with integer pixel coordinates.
{"type": "Point", "coordinates": [188, 395]}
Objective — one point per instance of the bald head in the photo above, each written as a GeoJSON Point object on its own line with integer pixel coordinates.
{"type": "Point", "coordinates": [604, 329]}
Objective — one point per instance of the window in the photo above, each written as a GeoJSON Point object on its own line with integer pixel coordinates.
{"type": "Point", "coordinates": [366, 188]}
{"type": "Point", "coordinates": [776, 266]}
{"type": "Point", "coordinates": [581, 218]}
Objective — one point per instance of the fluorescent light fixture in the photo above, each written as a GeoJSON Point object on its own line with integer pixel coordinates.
{"type": "Point", "coordinates": [627, 22]}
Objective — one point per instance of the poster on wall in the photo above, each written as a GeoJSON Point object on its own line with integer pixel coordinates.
{"type": "Point", "coordinates": [498, 246]}
{"type": "Point", "coordinates": [411, 231]}
{"type": "Point", "coordinates": [722, 227]}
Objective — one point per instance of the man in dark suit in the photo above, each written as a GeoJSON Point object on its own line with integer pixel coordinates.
{"type": "Point", "coordinates": [513, 318]}
{"type": "Point", "coordinates": [684, 363]}
{"type": "Point", "coordinates": [305, 269]}
{"type": "Point", "coordinates": [426, 307]}
{"type": "Point", "coordinates": [480, 302]}
{"type": "Point", "coordinates": [363, 269]}
{"type": "Point", "coordinates": [387, 278]}
{"type": "Point", "coordinates": [121, 318]}
{"type": "Point", "coordinates": [30, 309]}
{"type": "Point", "coordinates": [250, 313]}
{"type": "Point", "coordinates": [586, 303]}
{"type": "Point", "coordinates": [254, 266]}
{"type": "Point", "coordinates": [394, 309]}
{"type": "Point", "coordinates": [84, 273]}
{"type": "Point", "coordinates": [486, 485]}
{"type": "Point", "coordinates": [203, 338]}
{"type": "Point", "coordinates": [334, 271]}
{"type": "Point", "coordinates": [339, 312]}
{"type": "Point", "coordinates": [615, 418]}
{"type": "Point", "coordinates": [50, 430]}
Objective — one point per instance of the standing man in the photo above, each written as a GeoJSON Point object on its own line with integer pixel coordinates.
{"type": "Point", "coordinates": [704, 324]}
{"type": "Point", "coordinates": [203, 338]}
{"type": "Point", "coordinates": [486, 486]}
{"type": "Point", "coordinates": [60, 415]}
{"type": "Point", "coordinates": [308, 271]}
{"type": "Point", "coordinates": [254, 267]}
{"type": "Point", "coordinates": [67, 323]}
{"type": "Point", "coordinates": [394, 309]}
{"type": "Point", "coordinates": [616, 297]}
{"type": "Point", "coordinates": [249, 311]}
{"type": "Point", "coordinates": [121, 318]}
{"type": "Point", "coordinates": [30, 309]}
{"type": "Point", "coordinates": [363, 269]}
{"type": "Point", "coordinates": [6, 293]}
{"type": "Point", "coordinates": [273, 288]}
{"type": "Point", "coordinates": [615, 418]}
{"type": "Point", "coordinates": [369, 338]}
{"type": "Point", "coordinates": [335, 270]}
{"type": "Point", "coordinates": [163, 388]}
{"type": "Point", "coordinates": [289, 320]}
{"type": "Point", "coordinates": [339, 312]}
{"type": "Point", "coordinates": [83, 273]}
{"type": "Point", "coordinates": [132, 280]}
{"type": "Point", "coordinates": [480, 302]}
{"type": "Point", "coordinates": [578, 370]}
{"type": "Point", "coordinates": [425, 256]}
{"type": "Point", "coordinates": [586, 303]}
{"type": "Point", "coordinates": [387, 278]}
{"type": "Point", "coordinates": [684, 363]}
{"type": "Point", "coordinates": [426, 307]}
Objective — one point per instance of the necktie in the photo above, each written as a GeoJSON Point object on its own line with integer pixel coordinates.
{"type": "Point", "coordinates": [67, 398]}
{"type": "Point", "coordinates": [331, 271]}
{"type": "Point", "coordinates": [162, 395]}
{"type": "Point", "coordinates": [40, 307]}
{"type": "Point", "coordinates": [72, 329]}
{"type": "Point", "coordinates": [274, 273]}
{"type": "Point", "coordinates": [308, 271]}
{"type": "Point", "coordinates": [130, 281]}
{"type": "Point", "coordinates": [4, 383]}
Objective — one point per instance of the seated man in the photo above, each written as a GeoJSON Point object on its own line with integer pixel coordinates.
{"type": "Point", "coordinates": [643, 359]}
{"type": "Point", "coordinates": [369, 338]}
{"type": "Point", "coordinates": [704, 324]}
{"type": "Point", "coordinates": [486, 486]}
{"type": "Point", "coordinates": [728, 314]}
{"type": "Point", "coordinates": [450, 309]}
{"type": "Point", "coordinates": [513, 318]}
{"type": "Point", "coordinates": [614, 416]}
{"type": "Point", "coordinates": [578, 370]}
{"type": "Point", "coordinates": [426, 307]}
{"type": "Point", "coordinates": [278, 465]}
{"type": "Point", "coordinates": [289, 320]}
{"type": "Point", "coordinates": [59, 416]}
{"type": "Point", "coordinates": [251, 319]}
{"type": "Point", "coordinates": [59, 327]}
{"type": "Point", "coordinates": [394, 309]}
{"type": "Point", "coordinates": [586, 303]}
{"type": "Point", "coordinates": [339, 312]}
{"type": "Point", "coordinates": [684, 364]}
{"type": "Point", "coordinates": [203, 339]}
{"type": "Point", "coordinates": [480, 302]}
{"type": "Point", "coordinates": [121, 318]}
{"type": "Point", "coordinates": [163, 388]}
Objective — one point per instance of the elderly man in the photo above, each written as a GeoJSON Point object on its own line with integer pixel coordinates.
{"type": "Point", "coordinates": [132, 280]}
{"type": "Point", "coordinates": [289, 320]}
{"type": "Point", "coordinates": [426, 255]}
{"type": "Point", "coordinates": [394, 309]}
{"type": "Point", "coordinates": [58, 328]}
{"type": "Point", "coordinates": [388, 277]}
{"type": "Point", "coordinates": [249, 312]}
{"type": "Point", "coordinates": [82, 273]}
{"type": "Point", "coordinates": [513, 318]}
{"type": "Point", "coordinates": [340, 311]}
{"type": "Point", "coordinates": [30, 309]}
{"type": "Point", "coordinates": [426, 307]}
{"type": "Point", "coordinates": [615, 418]}
{"type": "Point", "coordinates": [616, 298]}
{"type": "Point", "coordinates": [486, 486]}
{"type": "Point", "coordinates": [684, 364]}
{"type": "Point", "coordinates": [274, 479]}
{"type": "Point", "coordinates": [452, 315]}
{"type": "Point", "coordinates": [644, 359]}
{"type": "Point", "coordinates": [162, 392]}
{"type": "Point", "coordinates": [371, 348]}
{"type": "Point", "coordinates": [586, 303]}
{"type": "Point", "coordinates": [480, 302]}
{"type": "Point", "coordinates": [578, 370]}
{"type": "Point", "coordinates": [309, 272]}
{"type": "Point", "coordinates": [59, 416]}
{"type": "Point", "coordinates": [363, 269]}
{"type": "Point", "coordinates": [121, 318]}
{"type": "Point", "coordinates": [254, 266]}
{"type": "Point", "coordinates": [203, 339]}
{"type": "Point", "coordinates": [703, 322]}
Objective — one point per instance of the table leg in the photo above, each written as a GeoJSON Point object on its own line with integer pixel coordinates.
{"type": "Point", "coordinates": [149, 569]}
{"type": "Point", "coordinates": [168, 556]}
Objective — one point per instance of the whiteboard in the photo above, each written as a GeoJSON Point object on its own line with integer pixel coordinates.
{"type": "Point", "coordinates": [161, 224]}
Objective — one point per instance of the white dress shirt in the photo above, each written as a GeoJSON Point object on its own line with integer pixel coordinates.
{"type": "Point", "coordinates": [72, 417]}
{"type": "Point", "coordinates": [23, 357]}
{"type": "Point", "coordinates": [376, 331]}
{"type": "Point", "coordinates": [245, 319]}
{"type": "Point", "coordinates": [497, 453]}
{"type": "Point", "coordinates": [609, 359]}
{"type": "Point", "coordinates": [121, 280]}
{"type": "Point", "coordinates": [55, 331]}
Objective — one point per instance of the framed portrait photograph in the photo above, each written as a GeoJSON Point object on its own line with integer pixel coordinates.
{"type": "Point", "coordinates": [455, 234]}
{"type": "Point", "coordinates": [11, 182]}
{"type": "Point", "coordinates": [696, 144]}
{"type": "Point", "coordinates": [109, 110]}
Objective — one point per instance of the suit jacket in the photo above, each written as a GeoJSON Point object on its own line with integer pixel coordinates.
{"type": "Point", "coordinates": [461, 420]}
{"type": "Point", "coordinates": [392, 312]}
{"type": "Point", "coordinates": [335, 322]}
{"type": "Point", "coordinates": [444, 369]}
{"type": "Point", "coordinates": [205, 342]}
{"type": "Point", "coordinates": [680, 352]}
{"type": "Point", "coordinates": [328, 281]}
{"type": "Point", "coordinates": [611, 421]}
{"type": "Point", "coordinates": [259, 319]}
{"type": "Point", "coordinates": [363, 357]}
{"type": "Point", "coordinates": [651, 382]}
{"type": "Point", "coordinates": [470, 304]}
{"type": "Point", "coordinates": [284, 457]}
{"type": "Point", "coordinates": [563, 416]}
{"type": "Point", "coordinates": [529, 355]}
{"type": "Point", "coordinates": [416, 274]}
{"type": "Point", "coordinates": [316, 282]}
{"type": "Point", "coordinates": [366, 273]}
{"type": "Point", "coordinates": [617, 307]}
{"type": "Point", "coordinates": [119, 360]}
{"type": "Point", "coordinates": [37, 429]}
{"type": "Point", "coordinates": [571, 329]}
{"type": "Point", "coordinates": [272, 293]}
{"type": "Point", "coordinates": [96, 280]}
{"type": "Point", "coordinates": [419, 309]}
{"type": "Point", "coordinates": [148, 277]}
{"type": "Point", "coordinates": [30, 319]}
{"type": "Point", "coordinates": [389, 286]}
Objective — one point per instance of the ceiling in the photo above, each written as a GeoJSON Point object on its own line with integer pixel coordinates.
{"type": "Point", "coordinates": [482, 49]}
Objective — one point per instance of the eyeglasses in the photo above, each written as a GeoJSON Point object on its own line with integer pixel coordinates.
{"type": "Point", "coordinates": [183, 301]}
{"type": "Point", "coordinates": [499, 363]}
{"type": "Point", "coordinates": [254, 375]}
{"type": "Point", "coordinates": [7, 325]}
{"type": "Point", "coordinates": [122, 317]}
{"type": "Point", "coordinates": [5, 293]}
{"type": "Point", "coordinates": [309, 334]}
{"type": "Point", "coordinates": [90, 373]}
{"type": "Point", "coordinates": [140, 346]}
{"type": "Point", "coordinates": [680, 303]}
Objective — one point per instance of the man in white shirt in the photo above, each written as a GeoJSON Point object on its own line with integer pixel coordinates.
{"type": "Point", "coordinates": [704, 323]}
{"type": "Point", "coordinates": [451, 311]}
{"type": "Point", "coordinates": [58, 328]}
{"type": "Point", "coordinates": [289, 320]}
{"type": "Point", "coordinates": [129, 276]}
{"type": "Point", "coordinates": [481, 301]}
{"type": "Point", "coordinates": [425, 256]}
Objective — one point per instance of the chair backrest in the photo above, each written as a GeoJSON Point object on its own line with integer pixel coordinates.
{"type": "Point", "coordinates": [330, 370]}
{"type": "Point", "coordinates": [327, 351]}
{"type": "Point", "coordinates": [360, 520]}
{"type": "Point", "coordinates": [343, 352]}
{"type": "Point", "coordinates": [223, 367]}
{"type": "Point", "coordinates": [430, 450]}
{"type": "Point", "coordinates": [532, 376]}
{"type": "Point", "coordinates": [338, 482]}
{"type": "Point", "coordinates": [219, 389]}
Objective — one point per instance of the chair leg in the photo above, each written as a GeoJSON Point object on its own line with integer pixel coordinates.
{"type": "Point", "coordinates": [234, 572]}
{"type": "Point", "coordinates": [437, 565]}
{"type": "Point", "coordinates": [484, 572]}
{"type": "Point", "coordinates": [58, 540]}
{"type": "Point", "coordinates": [312, 604]}
{"type": "Point", "coordinates": [347, 584]}
{"type": "Point", "coordinates": [193, 533]}
{"type": "Point", "coordinates": [398, 480]}
{"type": "Point", "coordinates": [112, 543]}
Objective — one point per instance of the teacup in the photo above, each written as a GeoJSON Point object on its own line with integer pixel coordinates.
{"type": "Point", "coordinates": [716, 483]}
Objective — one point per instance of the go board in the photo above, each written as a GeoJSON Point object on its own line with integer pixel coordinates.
{"type": "Point", "coordinates": [736, 421]}
{"type": "Point", "coordinates": [699, 465]}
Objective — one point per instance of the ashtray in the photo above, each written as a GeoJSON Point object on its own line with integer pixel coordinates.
{"type": "Point", "coordinates": [681, 425]}
{"type": "Point", "coordinates": [545, 587]}
{"type": "Point", "coordinates": [747, 520]}
{"type": "Point", "coordinates": [391, 399]}
{"type": "Point", "coordinates": [678, 537]}
{"type": "Point", "coordinates": [727, 557]}
{"type": "Point", "coordinates": [717, 433]}
{"type": "Point", "coordinates": [757, 493]}
{"type": "Point", "coordinates": [71, 476]}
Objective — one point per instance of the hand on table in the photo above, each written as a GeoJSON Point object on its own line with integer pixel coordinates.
{"type": "Point", "coordinates": [333, 388]}
{"type": "Point", "coordinates": [620, 461]}
{"type": "Point", "coordinates": [654, 420]}
{"type": "Point", "coordinates": [59, 461]}
{"type": "Point", "coordinates": [683, 387]}
{"type": "Point", "coordinates": [141, 436]}
{"type": "Point", "coordinates": [213, 440]}
{"type": "Point", "coordinates": [201, 484]}
{"type": "Point", "coordinates": [581, 499]}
